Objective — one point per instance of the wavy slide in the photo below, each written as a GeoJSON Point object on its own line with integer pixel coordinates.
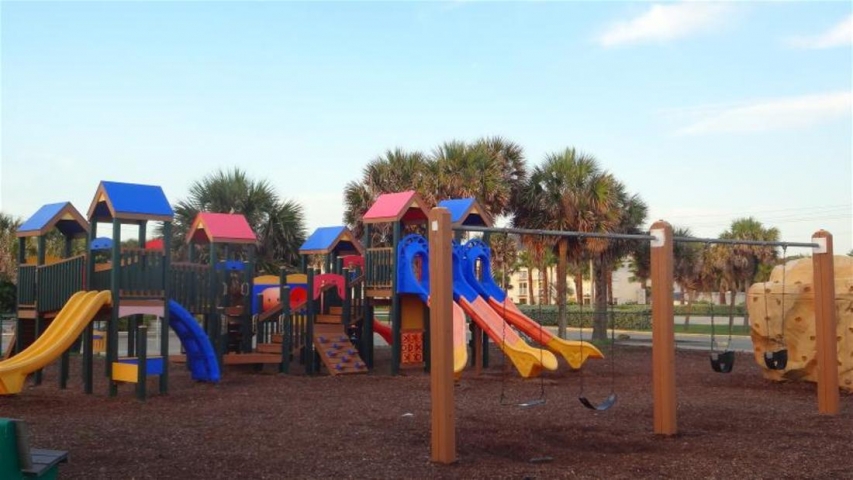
{"type": "Point", "coordinates": [201, 358]}
{"type": "Point", "coordinates": [80, 309]}
{"type": "Point", "coordinates": [575, 352]}
{"type": "Point", "coordinates": [529, 361]}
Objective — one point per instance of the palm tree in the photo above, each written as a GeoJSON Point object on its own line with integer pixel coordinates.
{"type": "Point", "coordinates": [632, 215]}
{"type": "Point", "coordinates": [504, 257]}
{"type": "Point", "coordinates": [394, 171]}
{"type": "Point", "coordinates": [569, 191]}
{"type": "Point", "coordinates": [491, 170]}
{"type": "Point", "coordinates": [279, 225]}
{"type": "Point", "coordinates": [685, 269]}
{"type": "Point", "coordinates": [743, 263]}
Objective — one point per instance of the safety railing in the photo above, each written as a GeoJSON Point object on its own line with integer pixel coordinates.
{"type": "Point", "coordinates": [57, 282]}
{"type": "Point", "coordinates": [378, 266]}
{"type": "Point", "coordinates": [27, 285]}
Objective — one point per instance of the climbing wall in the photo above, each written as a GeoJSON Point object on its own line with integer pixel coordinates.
{"type": "Point", "coordinates": [781, 313]}
{"type": "Point", "coordinates": [336, 351]}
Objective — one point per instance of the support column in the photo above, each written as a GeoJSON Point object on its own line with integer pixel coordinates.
{"type": "Point", "coordinates": [88, 334]}
{"type": "Point", "coordinates": [112, 328]}
{"type": "Point", "coordinates": [663, 335]}
{"type": "Point", "coordinates": [442, 408]}
{"type": "Point", "coordinates": [395, 314]}
{"type": "Point", "coordinates": [167, 294]}
{"type": "Point", "coordinates": [39, 321]}
{"type": "Point", "coordinates": [825, 324]}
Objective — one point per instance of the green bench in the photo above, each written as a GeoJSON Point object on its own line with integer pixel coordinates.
{"type": "Point", "coordinates": [19, 461]}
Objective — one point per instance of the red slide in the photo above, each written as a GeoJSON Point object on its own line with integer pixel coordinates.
{"type": "Point", "coordinates": [383, 330]}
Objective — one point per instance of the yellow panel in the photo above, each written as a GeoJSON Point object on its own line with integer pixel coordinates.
{"type": "Point", "coordinates": [125, 372]}
{"type": "Point", "coordinates": [297, 278]}
{"type": "Point", "coordinates": [266, 280]}
{"type": "Point", "coordinates": [102, 197]}
{"type": "Point", "coordinates": [346, 237]}
{"type": "Point", "coordinates": [412, 309]}
{"type": "Point", "coordinates": [67, 216]}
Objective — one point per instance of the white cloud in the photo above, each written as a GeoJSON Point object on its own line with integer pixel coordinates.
{"type": "Point", "coordinates": [839, 35]}
{"type": "Point", "coordinates": [664, 22]}
{"type": "Point", "coordinates": [777, 114]}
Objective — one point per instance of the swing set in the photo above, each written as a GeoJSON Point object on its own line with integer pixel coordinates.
{"type": "Point", "coordinates": [442, 415]}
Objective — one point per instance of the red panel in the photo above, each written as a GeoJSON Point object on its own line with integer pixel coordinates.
{"type": "Point", "coordinates": [389, 205]}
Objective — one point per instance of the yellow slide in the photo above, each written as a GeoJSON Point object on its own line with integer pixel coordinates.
{"type": "Point", "coordinates": [80, 309]}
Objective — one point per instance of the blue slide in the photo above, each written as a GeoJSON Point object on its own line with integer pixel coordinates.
{"type": "Point", "coordinates": [200, 355]}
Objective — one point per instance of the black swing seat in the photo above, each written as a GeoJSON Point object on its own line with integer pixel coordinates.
{"type": "Point", "coordinates": [723, 362]}
{"type": "Point", "coordinates": [777, 360]}
{"type": "Point", "coordinates": [605, 405]}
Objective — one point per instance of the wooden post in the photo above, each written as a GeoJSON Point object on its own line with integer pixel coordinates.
{"type": "Point", "coordinates": [112, 327]}
{"type": "Point", "coordinates": [663, 335]}
{"type": "Point", "coordinates": [442, 415]}
{"type": "Point", "coordinates": [825, 326]}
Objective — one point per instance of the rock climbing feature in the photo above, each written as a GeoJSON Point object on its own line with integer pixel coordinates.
{"type": "Point", "coordinates": [773, 328]}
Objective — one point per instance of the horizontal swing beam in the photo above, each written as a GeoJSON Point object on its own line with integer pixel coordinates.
{"type": "Point", "coordinates": [554, 233]}
{"type": "Point", "coordinates": [760, 243]}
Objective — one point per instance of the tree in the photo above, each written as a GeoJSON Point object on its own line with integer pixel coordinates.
{"type": "Point", "coordinates": [8, 247]}
{"type": "Point", "coordinates": [740, 264]}
{"type": "Point", "coordinates": [686, 268]}
{"type": "Point", "coordinates": [569, 191]}
{"type": "Point", "coordinates": [632, 211]}
{"type": "Point", "coordinates": [394, 171]}
{"type": "Point", "coordinates": [504, 253]}
{"type": "Point", "coordinates": [279, 225]}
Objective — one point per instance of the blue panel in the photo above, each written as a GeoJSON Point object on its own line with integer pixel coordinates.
{"type": "Point", "coordinates": [477, 249]}
{"type": "Point", "coordinates": [322, 239]}
{"type": "Point", "coordinates": [41, 218]}
{"type": "Point", "coordinates": [233, 265]}
{"type": "Point", "coordinates": [138, 199]}
{"type": "Point", "coordinates": [457, 207]}
{"type": "Point", "coordinates": [101, 243]}
{"type": "Point", "coordinates": [410, 247]}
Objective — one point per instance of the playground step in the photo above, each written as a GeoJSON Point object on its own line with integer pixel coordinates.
{"type": "Point", "coordinates": [336, 310]}
{"type": "Point", "coordinates": [328, 318]}
{"type": "Point", "coordinates": [336, 351]}
{"type": "Point", "coordinates": [269, 347]}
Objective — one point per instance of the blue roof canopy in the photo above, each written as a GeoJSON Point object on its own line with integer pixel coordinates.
{"type": "Point", "coordinates": [101, 243]}
{"type": "Point", "coordinates": [61, 215]}
{"type": "Point", "coordinates": [325, 240]}
{"type": "Point", "coordinates": [130, 201]}
{"type": "Point", "coordinates": [466, 211]}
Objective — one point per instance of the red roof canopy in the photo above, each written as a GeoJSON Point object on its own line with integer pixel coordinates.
{"type": "Point", "coordinates": [394, 207]}
{"type": "Point", "coordinates": [221, 228]}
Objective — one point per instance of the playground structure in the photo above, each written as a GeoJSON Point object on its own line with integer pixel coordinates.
{"type": "Point", "coordinates": [783, 312]}
{"type": "Point", "coordinates": [442, 268]}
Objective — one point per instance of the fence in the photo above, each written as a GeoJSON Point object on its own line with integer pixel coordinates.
{"type": "Point", "coordinates": [57, 282]}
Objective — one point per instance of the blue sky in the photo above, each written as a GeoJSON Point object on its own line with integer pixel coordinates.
{"type": "Point", "coordinates": [710, 111]}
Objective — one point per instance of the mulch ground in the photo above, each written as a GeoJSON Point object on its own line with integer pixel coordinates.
{"type": "Point", "coordinates": [264, 425]}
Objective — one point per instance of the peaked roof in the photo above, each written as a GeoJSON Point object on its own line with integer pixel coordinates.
{"type": "Point", "coordinates": [211, 227]}
{"type": "Point", "coordinates": [395, 207]}
{"type": "Point", "coordinates": [61, 215]}
{"type": "Point", "coordinates": [325, 240]}
{"type": "Point", "coordinates": [466, 211]}
{"type": "Point", "coordinates": [130, 201]}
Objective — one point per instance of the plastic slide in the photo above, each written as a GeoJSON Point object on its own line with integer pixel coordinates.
{"type": "Point", "coordinates": [201, 357]}
{"type": "Point", "coordinates": [383, 331]}
{"type": "Point", "coordinates": [80, 309]}
{"type": "Point", "coordinates": [413, 246]}
{"type": "Point", "coordinates": [575, 352]}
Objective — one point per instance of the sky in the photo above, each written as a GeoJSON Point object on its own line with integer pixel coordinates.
{"type": "Point", "coordinates": [709, 111]}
